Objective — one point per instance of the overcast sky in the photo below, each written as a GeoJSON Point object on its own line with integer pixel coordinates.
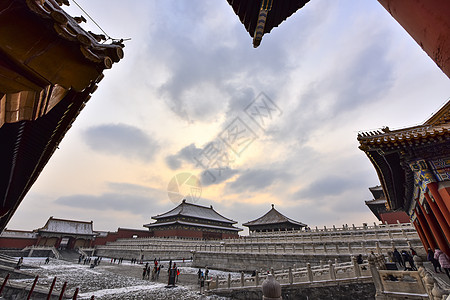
{"type": "Point", "coordinates": [282, 118]}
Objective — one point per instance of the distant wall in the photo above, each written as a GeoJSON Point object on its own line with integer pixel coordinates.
{"type": "Point", "coordinates": [121, 233]}
{"type": "Point", "coordinates": [394, 217]}
{"type": "Point", "coordinates": [148, 254]}
{"type": "Point", "coordinates": [16, 243]}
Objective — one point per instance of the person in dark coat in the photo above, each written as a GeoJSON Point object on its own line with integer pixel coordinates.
{"type": "Point", "coordinates": [398, 258]}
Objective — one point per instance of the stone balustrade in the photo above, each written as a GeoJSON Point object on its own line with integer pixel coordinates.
{"type": "Point", "coordinates": [332, 271]}
{"type": "Point", "coordinates": [346, 240]}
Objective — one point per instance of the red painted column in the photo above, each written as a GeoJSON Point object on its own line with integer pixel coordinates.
{"type": "Point", "coordinates": [422, 237]}
{"type": "Point", "coordinates": [428, 23]}
{"type": "Point", "coordinates": [437, 233]}
{"type": "Point", "coordinates": [426, 229]}
{"type": "Point", "coordinates": [444, 191]}
{"type": "Point", "coordinates": [439, 217]}
{"type": "Point", "coordinates": [433, 187]}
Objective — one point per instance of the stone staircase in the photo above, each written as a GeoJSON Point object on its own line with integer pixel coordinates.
{"type": "Point", "coordinates": [69, 255]}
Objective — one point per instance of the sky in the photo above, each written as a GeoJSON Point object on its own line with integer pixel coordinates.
{"type": "Point", "coordinates": [250, 127]}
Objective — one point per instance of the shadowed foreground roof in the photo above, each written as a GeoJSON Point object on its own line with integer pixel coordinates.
{"type": "Point", "coordinates": [49, 67]}
{"type": "Point", "coordinates": [248, 12]}
{"type": "Point", "coordinates": [273, 216]}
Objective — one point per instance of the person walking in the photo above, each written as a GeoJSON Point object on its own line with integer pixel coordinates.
{"type": "Point", "coordinates": [398, 258]}
{"type": "Point", "coordinates": [202, 284]}
{"type": "Point", "coordinates": [444, 260]}
{"type": "Point", "coordinates": [435, 262]}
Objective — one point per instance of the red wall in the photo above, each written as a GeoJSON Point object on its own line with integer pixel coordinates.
{"type": "Point", "coordinates": [392, 217]}
{"type": "Point", "coordinates": [16, 243]}
{"type": "Point", "coordinates": [121, 233]}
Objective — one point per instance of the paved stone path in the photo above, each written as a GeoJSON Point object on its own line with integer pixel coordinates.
{"type": "Point", "coordinates": [112, 281]}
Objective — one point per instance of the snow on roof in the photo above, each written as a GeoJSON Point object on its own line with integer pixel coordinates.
{"type": "Point", "coordinates": [67, 226]}
{"type": "Point", "coordinates": [273, 216]}
{"type": "Point", "coordinates": [196, 211]}
{"type": "Point", "coordinates": [18, 234]}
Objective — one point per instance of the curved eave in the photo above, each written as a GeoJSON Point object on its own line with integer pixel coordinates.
{"type": "Point", "coordinates": [392, 177]}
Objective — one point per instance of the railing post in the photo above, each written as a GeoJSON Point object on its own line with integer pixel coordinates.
{"type": "Point", "coordinates": [51, 288]}
{"type": "Point", "coordinates": [309, 272]}
{"type": "Point", "coordinates": [356, 267]}
{"type": "Point", "coordinates": [331, 270]}
{"type": "Point", "coordinates": [256, 278]}
{"type": "Point", "coordinates": [291, 278]}
{"type": "Point", "coordinates": [63, 289]}
{"type": "Point", "coordinates": [242, 279]}
{"type": "Point", "coordinates": [377, 244]}
{"type": "Point", "coordinates": [4, 283]}
{"type": "Point", "coordinates": [32, 287]}
{"type": "Point", "coordinates": [75, 294]}
{"type": "Point", "coordinates": [229, 280]}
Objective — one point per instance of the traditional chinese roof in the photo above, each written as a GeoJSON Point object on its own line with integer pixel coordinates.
{"type": "Point", "coordinates": [377, 192]}
{"type": "Point", "coordinates": [49, 67]}
{"type": "Point", "coordinates": [392, 151]}
{"type": "Point", "coordinates": [273, 216]}
{"type": "Point", "coordinates": [63, 226]}
{"type": "Point", "coordinates": [259, 17]}
{"type": "Point", "coordinates": [157, 224]}
{"type": "Point", "coordinates": [194, 211]}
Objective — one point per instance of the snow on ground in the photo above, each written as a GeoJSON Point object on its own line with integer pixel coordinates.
{"type": "Point", "coordinates": [112, 281]}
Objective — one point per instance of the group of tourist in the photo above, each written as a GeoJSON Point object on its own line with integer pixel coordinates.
{"type": "Point", "coordinates": [404, 259]}
{"type": "Point", "coordinates": [201, 279]}
{"type": "Point", "coordinates": [440, 261]}
{"type": "Point", "coordinates": [152, 273]}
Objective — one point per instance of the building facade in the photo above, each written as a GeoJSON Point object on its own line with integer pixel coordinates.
{"type": "Point", "coordinates": [413, 165]}
{"type": "Point", "coordinates": [273, 220]}
{"type": "Point", "coordinates": [193, 221]}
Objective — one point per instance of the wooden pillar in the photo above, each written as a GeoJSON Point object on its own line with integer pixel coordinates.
{"type": "Point", "coordinates": [440, 203]}
{"type": "Point", "coordinates": [443, 223]}
{"type": "Point", "coordinates": [437, 233]}
{"type": "Point", "coordinates": [422, 236]}
{"type": "Point", "coordinates": [426, 229]}
{"type": "Point", "coordinates": [444, 191]}
{"type": "Point", "coordinates": [427, 23]}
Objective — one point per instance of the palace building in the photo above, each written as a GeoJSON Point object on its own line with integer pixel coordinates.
{"type": "Point", "coordinates": [193, 221]}
{"type": "Point", "coordinates": [413, 165]}
{"type": "Point", "coordinates": [273, 220]}
{"type": "Point", "coordinates": [379, 208]}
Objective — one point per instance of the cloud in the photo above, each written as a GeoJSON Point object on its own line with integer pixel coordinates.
{"type": "Point", "coordinates": [186, 154]}
{"type": "Point", "coordinates": [136, 199]}
{"type": "Point", "coordinates": [121, 139]}
{"type": "Point", "coordinates": [217, 175]}
{"type": "Point", "coordinates": [330, 186]}
{"type": "Point", "coordinates": [255, 180]}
